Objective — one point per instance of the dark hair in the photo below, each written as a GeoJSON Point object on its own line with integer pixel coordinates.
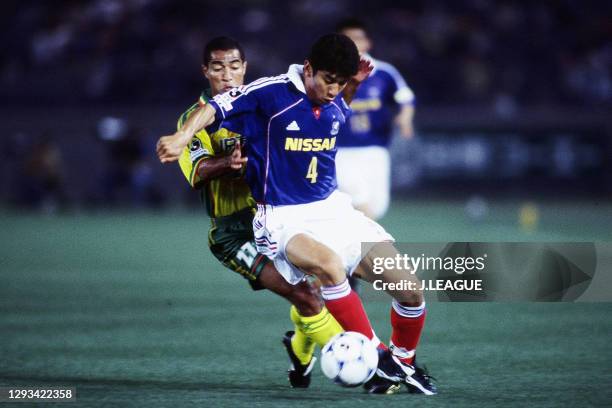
{"type": "Point", "coordinates": [221, 44]}
{"type": "Point", "coordinates": [335, 53]}
{"type": "Point", "coordinates": [351, 22]}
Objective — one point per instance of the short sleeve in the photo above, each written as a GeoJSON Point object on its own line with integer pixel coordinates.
{"type": "Point", "coordinates": [198, 149]}
{"type": "Point", "coordinates": [235, 102]}
{"type": "Point", "coordinates": [402, 94]}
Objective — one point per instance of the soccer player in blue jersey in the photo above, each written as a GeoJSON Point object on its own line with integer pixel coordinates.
{"type": "Point", "coordinates": [303, 223]}
{"type": "Point", "coordinates": [382, 99]}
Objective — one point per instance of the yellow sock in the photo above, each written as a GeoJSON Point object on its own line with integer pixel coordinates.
{"type": "Point", "coordinates": [311, 330]}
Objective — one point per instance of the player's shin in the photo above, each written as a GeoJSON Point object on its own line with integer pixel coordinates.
{"type": "Point", "coordinates": [407, 323]}
{"type": "Point", "coordinates": [303, 346]}
{"type": "Point", "coordinates": [344, 304]}
{"type": "Point", "coordinates": [319, 328]}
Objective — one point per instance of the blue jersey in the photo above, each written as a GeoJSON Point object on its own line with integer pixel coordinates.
{"type": "Point", "coordinates": [291, 143]}
{"type": "Point", "coordinates": [374, 106]}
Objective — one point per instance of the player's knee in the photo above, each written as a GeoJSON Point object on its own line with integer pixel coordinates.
{"type": "Point", "coordinates": [306, 299]}
{"type": "Point", "coordinates": [412, 298]}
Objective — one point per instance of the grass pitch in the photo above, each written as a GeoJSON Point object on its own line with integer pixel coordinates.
{"type": "Point", "coordinates": [132, 310]}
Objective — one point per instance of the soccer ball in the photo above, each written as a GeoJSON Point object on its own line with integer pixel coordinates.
{"type": "Point", "coordinates": [349, 359]}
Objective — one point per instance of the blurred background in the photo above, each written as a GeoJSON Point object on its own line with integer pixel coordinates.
{"type": "Point", "coordinates": [514, 99]}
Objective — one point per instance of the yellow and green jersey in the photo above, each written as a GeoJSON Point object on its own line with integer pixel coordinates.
{"type": "Point", "coordinates": [222, 196]}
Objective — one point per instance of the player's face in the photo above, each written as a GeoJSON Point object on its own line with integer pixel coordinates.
{"type": "Point", "coordinates": [225, 70]}
{"type": "Point", "coordinates": [360, 38]}
{"type": "Point", "coordinates": [322, 87]}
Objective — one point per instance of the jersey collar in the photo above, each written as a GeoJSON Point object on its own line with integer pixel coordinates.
{"type": "Point", "coordinates": [295, 76]}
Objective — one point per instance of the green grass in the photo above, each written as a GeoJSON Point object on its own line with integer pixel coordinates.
{"type": "Point", "coordinates": [132, 310]}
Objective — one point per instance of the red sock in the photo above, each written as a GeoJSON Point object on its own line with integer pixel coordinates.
{"type": "Point", "coordinates": [344, 304]}
{"type": "Point", "coordinates": [407, 323]}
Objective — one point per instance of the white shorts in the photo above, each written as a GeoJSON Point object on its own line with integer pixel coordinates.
{"type": "Point", "coordinates": [364, 173]}
{"type": "Point", "coordinates": [332, 221]}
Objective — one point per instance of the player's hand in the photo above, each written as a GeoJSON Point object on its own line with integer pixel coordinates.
{"type": "Point", "coordinates": [364, 70]}
{"type": "Point", "coordinates": [236, 161]}
{"type": "Point", "coordinates": [169, 148]}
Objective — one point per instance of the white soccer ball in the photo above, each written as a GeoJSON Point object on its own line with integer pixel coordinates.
{"type": "Point", "coordinates": [349, 359]}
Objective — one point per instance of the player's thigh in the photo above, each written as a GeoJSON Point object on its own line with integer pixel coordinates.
{"type": "Point", "coordinates": [271, 279]}
{"type": "Point", "coordinates": [315, 258]}
{"type": "Point", "coordinates": [400, 273]}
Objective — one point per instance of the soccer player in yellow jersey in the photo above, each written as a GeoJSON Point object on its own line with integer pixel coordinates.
{"type": "Point", "coordinates": [213, 163]}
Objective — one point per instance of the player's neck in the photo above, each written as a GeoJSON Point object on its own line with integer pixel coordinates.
{"type": "Point", "coordinates": [310, 97]}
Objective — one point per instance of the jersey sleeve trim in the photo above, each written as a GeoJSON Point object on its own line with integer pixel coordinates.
{"type": "Point", "coordinates": [194, 179]}
{"type": "Point", "coordinates": [224, 103]}
{"type": "Point", "coordinates": [183, 118]}
{"type": "Point", "coordinates": [403, 95]}
{"type": "Point", "coordinates": [219, 112]}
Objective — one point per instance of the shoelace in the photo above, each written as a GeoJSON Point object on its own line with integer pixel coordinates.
{"type": "Point", "coordinates": [423, 372]}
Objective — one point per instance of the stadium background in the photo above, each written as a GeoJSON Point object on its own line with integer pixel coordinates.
{"type": "Point", "coordinates": [107, 284]}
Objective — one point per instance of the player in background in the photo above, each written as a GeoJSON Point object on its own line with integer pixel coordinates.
{"type": "Point", "coordinates": [381, 100]}
{"type": "Point", "coordinates": [212, 163]}
{"type": "Point", "coordinates": [303, 223]}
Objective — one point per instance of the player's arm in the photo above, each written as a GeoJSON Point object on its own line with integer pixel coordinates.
{"type": "Point", "coordinates": [404, 121]}
{"type": "Point", "coordinates": [365, 68]}
{"type": "Point", "coordinates": [404, 97]}
{"type": "Point", "coordinates": [199, 161]}
{"type": "Point", "coordinates": [215, 167]}
{"type": "Point", "coordinates": [234, 102]}
{"type": "Point", "coordinates": [169, 148]}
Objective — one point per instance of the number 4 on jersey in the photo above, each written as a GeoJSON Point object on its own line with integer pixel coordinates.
{"type": "Point", "coordinates": [312, 170]}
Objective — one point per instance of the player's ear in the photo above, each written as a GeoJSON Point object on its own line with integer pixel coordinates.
{"type": "Point", "coordinates": [244, 66]}
{"type": "Point", "coordinates": [205, 71]}
{"type": "Point", "coordinates": [307, 69]}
